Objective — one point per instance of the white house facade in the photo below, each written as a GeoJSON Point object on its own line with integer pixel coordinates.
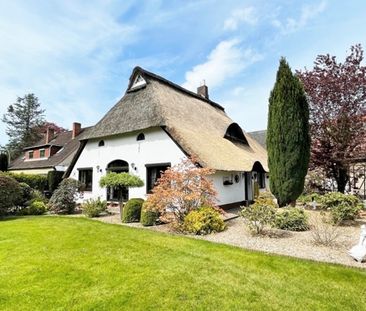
{"type": "Point", "coordinates": [156, 125]}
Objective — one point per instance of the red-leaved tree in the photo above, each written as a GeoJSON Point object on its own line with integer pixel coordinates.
{"type": "Point", "coordinates": [337, 100]}
{"type": "Point", "coordinates": [181, 189]}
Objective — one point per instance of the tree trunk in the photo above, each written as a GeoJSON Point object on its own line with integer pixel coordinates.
{"type": "Point", "coordinates": [342, 179]}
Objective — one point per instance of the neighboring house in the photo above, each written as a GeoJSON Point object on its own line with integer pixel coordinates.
{"type": "Point", "coordinates": [260, 137]}
{"type": "Point", "coordinates": [154, 126]}
{"type": "Point", "coordinates": [52, 152]}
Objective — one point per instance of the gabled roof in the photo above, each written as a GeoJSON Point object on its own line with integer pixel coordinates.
{"type": "Point", "coordinates": [63, 157]}
{"type": "Point", "coordinates": [197, 124]}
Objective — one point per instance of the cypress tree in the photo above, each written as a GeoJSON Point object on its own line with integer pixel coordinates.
{"type": "Point", "coordinates": [288, 139]}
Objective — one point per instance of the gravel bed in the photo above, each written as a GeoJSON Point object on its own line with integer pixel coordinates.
{"type": "Point", "coordinates": [294, 244]}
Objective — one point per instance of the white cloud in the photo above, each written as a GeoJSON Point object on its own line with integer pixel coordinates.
{"type": "Point", "coordinates": [240, 16]}
{"type": "Point", "coordinates": [65, 53]}
{"type": "Point", "coordinates": [225, 61]}
{"type": "Point", "coordinates": [308, 12]}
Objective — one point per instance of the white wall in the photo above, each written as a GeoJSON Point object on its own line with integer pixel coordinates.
{"type": "Point", "coordinates": [157, 147]}
{"type": "Point", "coordinates": [229, 193]}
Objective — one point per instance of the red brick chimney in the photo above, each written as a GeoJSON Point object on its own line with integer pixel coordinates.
{"type": "Point", "coordinates": [50, 133]}
{"type": "Point", "coordinates": [76, 128]}
{"type": "Point", "coordinates": [203, 90]}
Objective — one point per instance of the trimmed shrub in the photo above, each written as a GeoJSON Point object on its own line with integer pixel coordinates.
{"type": "Point", "coordinates": [203, 221]}
{"type": "Point", "coordinates": [93, 208]}
{"type": "Point", "coordinates": [131, 211]}
{"type": "Point", "coordinates": [35, 181]}
{"type": "Point", "coordinates": [149, 216]}
{"type": "Point", "coordinates": [54, 178]}
{"type": "Point", "coordinates": [10, 193]}
{"type": "Point", "coordinates": [333, 199]}
{"type": "Point", "coordinates": [292, 219]}
{"type": "Point", "coordinates": [63, 199]}
{"type": "Point", "coordinates": [344, 211]}
{"type": "Point", "coordinates": [260, 214]}
{"type": "Point", "coordinates": [36, 208]}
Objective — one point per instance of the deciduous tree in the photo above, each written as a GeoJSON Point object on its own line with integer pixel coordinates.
{"type": "Point", "coordinates": [181, 189]}
{"type": "Point", "coordinates": [337, 100]}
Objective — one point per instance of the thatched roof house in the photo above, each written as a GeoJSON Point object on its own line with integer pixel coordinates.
{"type": "Point", "coordinates": [155, 125]}
{"type": "Point", "coordinates": [198, 125]}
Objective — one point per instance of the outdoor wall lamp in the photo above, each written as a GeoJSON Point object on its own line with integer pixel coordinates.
{"type": "Point", "coordinates": [133, 165]}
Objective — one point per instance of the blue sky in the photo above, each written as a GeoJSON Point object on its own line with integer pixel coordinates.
{"type": "Point", "coordinates": [77, 56]}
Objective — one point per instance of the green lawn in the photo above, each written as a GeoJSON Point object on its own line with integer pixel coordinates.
{"type": "Point", "coordinates": [63, 263]}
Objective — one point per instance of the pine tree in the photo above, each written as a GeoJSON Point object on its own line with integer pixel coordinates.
{"type": "Point", "coordinates": [288, 139]}
{"type": "Point", "coordinates": [23, 119]}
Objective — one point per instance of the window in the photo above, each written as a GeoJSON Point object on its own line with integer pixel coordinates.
{"type": "Point", "coordinates": [235, 133]}
{"type": "Point", "coordinates": [30, 154]}
{"type": "Point", "coordinates": [86, 179]}
{"type": "Point", "coordinates": [101, 143]}
{"type": "Point", "coordinates": [153, 173]}
{"type": "Point", "coordinates": [139, 81]}
{"type": "Point", "coordinates": [140, 136]}
{"type": "Point", "coordinates": [42, 153]}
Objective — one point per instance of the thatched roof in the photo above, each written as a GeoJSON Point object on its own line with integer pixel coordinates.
{"type": "Point", "coordinates": [197, 124]}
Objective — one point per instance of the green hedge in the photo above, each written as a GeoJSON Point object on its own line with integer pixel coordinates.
{"type": "Point", "coordinates": [38, 182]}
{"type": "Point", "coordinates": [132, 210]}
{"type": "Point", "coordinates": [54, 178]}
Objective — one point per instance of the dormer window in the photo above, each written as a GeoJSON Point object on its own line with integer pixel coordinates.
{"type": "Point", "coordinates": [140, 136]}
{"type": "Point", "coordinates": [42, 153]}
{"type": "Point", "coordinates": [235, 134]}
{"type": "Point", "coordinates": [101, 143]}
{"type": "Point", "coordinates": [139, 82]}
{"type": "Point", "coordinates": [30, 154]}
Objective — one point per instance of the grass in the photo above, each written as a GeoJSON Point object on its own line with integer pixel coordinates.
{"type": "Point", "coordinates": [64, 263]}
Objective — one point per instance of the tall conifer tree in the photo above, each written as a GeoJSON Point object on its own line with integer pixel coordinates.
{"type": "Point", "coordinates": [23, 119]}
{"type": "Point", "coordinates": [288, 139]}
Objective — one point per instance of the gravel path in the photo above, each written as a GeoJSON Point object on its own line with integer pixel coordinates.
{"type": "Point", "coordinates": [294, 244]}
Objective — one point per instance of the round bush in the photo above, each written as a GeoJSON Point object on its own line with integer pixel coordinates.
{"type": "Point", "coordinates": [148, 216]}
{"type": "Point", "coordinates": [292, 219]}
{"type": "Point", "coordinates": [36, 208]}
{"type": "Point", "coordinates": [10, 193]}
{"type": "Point", "coordinates": [203, 221]}
{"type": "Point", "coordinates": [131, 211]}
{"type": "Point", "coordinates": [344, 211]}
{"type": "Point", "coordinates": [333, 199]}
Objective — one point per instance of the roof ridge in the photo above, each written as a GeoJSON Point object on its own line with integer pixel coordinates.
{"type": "Point", "coordinates": [172, 84]}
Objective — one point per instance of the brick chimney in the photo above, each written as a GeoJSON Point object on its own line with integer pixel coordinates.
{"type": "Point", "coordinates": [50, 133]}
{"type": "Point", "coordinates": [203, 90]}
{"type": "Point", "coordinates": [76, 128]}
